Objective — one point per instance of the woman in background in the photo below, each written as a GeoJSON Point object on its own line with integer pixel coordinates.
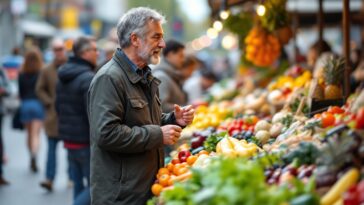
{"type": "Point", "coordinates": [31, 109]}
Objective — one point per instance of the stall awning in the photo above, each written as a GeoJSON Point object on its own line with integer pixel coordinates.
{"type": "Point", "coordinates": [38, 28]}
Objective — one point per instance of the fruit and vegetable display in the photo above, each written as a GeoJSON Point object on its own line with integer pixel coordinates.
{"type": "Point", "coordinates": [293, 141]}
{"type": "Point", "coordinates": [235, 152]}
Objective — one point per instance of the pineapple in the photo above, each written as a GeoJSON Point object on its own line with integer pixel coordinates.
{"type": "Point", "coordinates": [333, 74]}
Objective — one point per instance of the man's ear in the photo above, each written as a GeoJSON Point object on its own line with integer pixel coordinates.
{"type": "Point", "coordinates": [134, 40]}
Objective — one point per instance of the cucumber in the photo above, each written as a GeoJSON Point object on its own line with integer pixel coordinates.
{"type": "Point", "coordinates": [306, 199]}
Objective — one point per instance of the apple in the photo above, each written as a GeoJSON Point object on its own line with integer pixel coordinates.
{"type": "Point", "coordinates": [197, 141]}
{"type": "Point", "coordinates": [183, 155]}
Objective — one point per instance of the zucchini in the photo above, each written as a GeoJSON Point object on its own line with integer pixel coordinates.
{"type": "Point", "coordinates": [343, 184]}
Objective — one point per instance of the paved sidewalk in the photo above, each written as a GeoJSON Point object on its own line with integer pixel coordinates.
{"type": "Point", "coordinates": [24, 185]}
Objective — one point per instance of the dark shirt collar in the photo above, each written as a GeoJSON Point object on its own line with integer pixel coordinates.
{"type": "Point", "coordinates": [140, 71]}
{"type": "Point", "coordinates": [132, 65]}
{"type": "Point", "coordinates": [145, 72]}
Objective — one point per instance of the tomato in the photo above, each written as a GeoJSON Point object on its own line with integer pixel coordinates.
{"type": "Point", "coordinates": [164, 180]}
{"type": "Point", "coordinates": [327, 119]}
{"type": "Point", "coordinates": [335, 110]}
{"type": "Point", "coordinates": [183, 155]}
{"type": "Point", "coordinates": [191, 160]}
{"type": "Point", "coordinates": [240, 122]}
{"type": "Point", "coordinates": [255, 119]}
{"type": "Point", "coordinates": [360, 118]}
{"type": "Point", "coordinates": [162, 171]}
{"type": "Point", "coordinates": [175, 161]}
{"type": "Point", "coordinates": [351, 197]}
{"type": "Point", "coordinates": [176, 168]}
{"type": "Point", "coordinates": [157, 189]}
{"type": "Point", "coordinates": [170, 167]}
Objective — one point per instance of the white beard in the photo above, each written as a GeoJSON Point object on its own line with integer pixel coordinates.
{"type": "Point", "coordinates": [154, 59]}
{"type": "Point", "coordinates": [150, 59]}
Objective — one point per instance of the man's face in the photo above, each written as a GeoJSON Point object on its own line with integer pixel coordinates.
{"type": "Point", "coordinates": [176, 58]}
{"type": "Point", "coordinates": [91, 54]}
{"type": "Point", "coordinates": [152, 43]}
{"type": "Point", "coordinates": [59, 52]}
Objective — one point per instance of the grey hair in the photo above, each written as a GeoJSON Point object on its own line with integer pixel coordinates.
{"type": "Point", "coordinates": [57, 42]}
{"type": "Point", "coordinates": [135, 21]}
{"type": "Point", "coordinates": [81, 44]}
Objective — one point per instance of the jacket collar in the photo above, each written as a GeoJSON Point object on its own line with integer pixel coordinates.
{"type": "Point", "coordinates": [133, 77]}
{"type": "Point", "coordinates": [119, 57]}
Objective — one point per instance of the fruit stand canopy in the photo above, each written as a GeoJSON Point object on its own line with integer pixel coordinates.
{"type": "Point", "coordinates": [38, 28]}
{"type": "Point", "coordinates": [306, 10]}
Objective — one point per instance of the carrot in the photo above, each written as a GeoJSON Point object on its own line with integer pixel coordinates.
{"type": "Point", "coordinates": [182, 177]}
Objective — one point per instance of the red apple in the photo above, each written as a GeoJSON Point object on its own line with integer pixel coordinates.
{"type": "Point", "coordinates": [183, 155]}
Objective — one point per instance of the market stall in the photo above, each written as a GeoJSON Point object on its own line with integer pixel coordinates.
{"type": "Point", "coordinates": [256, 143]}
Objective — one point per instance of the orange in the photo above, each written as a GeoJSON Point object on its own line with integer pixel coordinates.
{"type": "Point", "coordinates": [162, 171]}
{"type": "Point", "coordinates": [164, 179]}
{"type": "Point", "coordinates": [157, 189]}
{"type": "Point", "coordinates": [176, 168]}
{"type": "Point", "coordinates": [170, 167]}
{"type": "Point", "coordinates": [191, 159]}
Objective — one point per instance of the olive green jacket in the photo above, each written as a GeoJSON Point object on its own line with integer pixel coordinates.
{"type": "Point", "coordinates": [126, 138]}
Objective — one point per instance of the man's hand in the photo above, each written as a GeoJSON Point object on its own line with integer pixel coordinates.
{"type": "Point", "coordinates": [171, 134]}
{"type": "Point", "coordinates": [184, 115]}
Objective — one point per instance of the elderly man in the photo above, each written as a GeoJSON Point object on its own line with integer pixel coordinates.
{"type": "Point", "coordinates": [128, 129]}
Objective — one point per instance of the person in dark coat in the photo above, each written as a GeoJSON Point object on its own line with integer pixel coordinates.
{"type": "Point", "coordinates": [46, 92]}
{"type": "Point", "coordinates": [128, 129]}
{"type": "Point", "coordinates": [74, 79]}
{"type": "Point", "coordinates": [169, 71]}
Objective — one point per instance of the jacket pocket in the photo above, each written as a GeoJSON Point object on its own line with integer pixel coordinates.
{"type": "Point", "coordinates": [138, 103]}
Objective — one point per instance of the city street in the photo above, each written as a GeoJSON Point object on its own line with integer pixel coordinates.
{"type": "Point", "coordinates": [24, 185]}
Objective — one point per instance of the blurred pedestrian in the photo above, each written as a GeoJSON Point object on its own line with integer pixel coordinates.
{"type": "Point", "coordinates": [4, 91]}
{"type": "Point", "coordinates": [46, 92]}
{"type": "Point", "coordinates": [169, 72]}
{"type": "Point", "coordinates": [31, 109]}
{"type": "Point", "coordinates": [196, 87]}
{"type": "Point", "coordinates": [315, 51]}
{"type": "Point", "coordinates": [128, 129]}
{"type": "Point", "coordinates": [74, 79]}
{"type": "Point", "coordinates": [189, 66]}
